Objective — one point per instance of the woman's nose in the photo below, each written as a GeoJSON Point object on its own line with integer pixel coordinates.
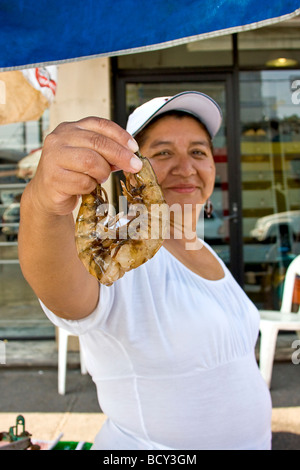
{"type": "Point", "coordinates": [184, 166]}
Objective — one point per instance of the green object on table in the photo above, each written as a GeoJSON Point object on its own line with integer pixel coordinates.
{"type": "Point", "coordinates": [71, 445]}
{"type": "Point", "coordinates": [14, 433]}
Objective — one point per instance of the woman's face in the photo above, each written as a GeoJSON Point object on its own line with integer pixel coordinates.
{"type": "Point", "coordinates": [180, 153]}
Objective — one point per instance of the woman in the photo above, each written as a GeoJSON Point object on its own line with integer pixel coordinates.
{"type": "Point", "coordinates": [170, 345]}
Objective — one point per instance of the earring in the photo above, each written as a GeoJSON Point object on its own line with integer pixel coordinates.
{"type": "Point", "coordinates": [208, 208]}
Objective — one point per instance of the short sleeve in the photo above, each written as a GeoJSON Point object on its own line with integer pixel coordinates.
{"type": "Point", "coordinates": [94, 320]}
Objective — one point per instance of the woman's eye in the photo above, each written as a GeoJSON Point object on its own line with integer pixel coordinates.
{"type": "Point", "coordinates": [198, 153]}
{"type": "Point", "coordinates": [162, 153]}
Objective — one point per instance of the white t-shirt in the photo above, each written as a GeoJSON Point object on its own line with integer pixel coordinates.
{"type": "Point", "coordinates": [172, 357]}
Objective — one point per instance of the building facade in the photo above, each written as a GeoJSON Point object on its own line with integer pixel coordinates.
{"type": "Point", "coordinates": [255, 78]}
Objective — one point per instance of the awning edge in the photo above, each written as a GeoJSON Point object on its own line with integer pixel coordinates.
{"type": "Point", "coordinates": [164, 45]}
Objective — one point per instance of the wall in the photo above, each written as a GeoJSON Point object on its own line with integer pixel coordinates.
{"type": "Point", "coordinates": [83, 89]}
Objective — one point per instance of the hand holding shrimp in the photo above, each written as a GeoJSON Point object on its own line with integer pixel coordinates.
{"type": "Point", "coordinates": [104, 250]}
{"type": "Point", "coordinates": [78, 155]}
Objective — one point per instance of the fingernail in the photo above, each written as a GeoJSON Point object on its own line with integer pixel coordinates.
{"type": "Point", "coordinates": [133, 145]}
{"type": "Point", "coordinates": [136, 164]}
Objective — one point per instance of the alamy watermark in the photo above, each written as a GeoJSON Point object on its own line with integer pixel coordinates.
{"type": "Point", "coordinates": [2, 352]}
{"type": "Point", "coordinates": [296, 354]}
{"type": "Point", "coordinates": [2, 92]}
{"type": "Point", "coordinates": [296, 92]}
{"type": "Point", "coordinates": [153, 221]}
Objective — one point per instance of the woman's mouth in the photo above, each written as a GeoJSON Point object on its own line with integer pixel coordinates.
{"type": "Point", "coordinates": [187, 189]}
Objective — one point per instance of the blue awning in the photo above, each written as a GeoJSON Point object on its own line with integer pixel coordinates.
{"type": "Point", "coordinates": [35, 33]}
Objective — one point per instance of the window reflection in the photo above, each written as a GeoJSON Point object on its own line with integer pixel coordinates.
{"type": "Point", "coordinates": [270, 152]}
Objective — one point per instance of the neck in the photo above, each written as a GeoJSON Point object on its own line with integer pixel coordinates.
{"type": "Point", "coordinates": [183, 228]}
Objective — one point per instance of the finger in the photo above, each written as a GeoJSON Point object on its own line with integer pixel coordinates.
{"type": "Point", "coordinates": [61, 195]}
{"type": "Point", "coordinates": [109, 129]}
{"type": "Point", "coordinates": [115, 168]}
{"type": "Point", "coordinates": [104, 128]}
{"type": "Point", "coordinates": [77, 184]}
{"type": "Point", "coordinates": [113, 152]}
{"type": "Point", "coordinates": [85, 161]}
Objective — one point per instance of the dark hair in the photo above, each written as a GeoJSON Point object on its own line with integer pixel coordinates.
{"type": "Point", "coordinates": [142, 135]}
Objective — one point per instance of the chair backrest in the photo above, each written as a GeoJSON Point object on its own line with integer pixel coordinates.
{"type": "Point", "coordinates": [289, 283]}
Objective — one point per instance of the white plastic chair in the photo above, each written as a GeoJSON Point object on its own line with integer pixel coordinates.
{"type": "Point", "coordinates": [271, 322]}
{"type": "Point", "coordinates": [63, 337]}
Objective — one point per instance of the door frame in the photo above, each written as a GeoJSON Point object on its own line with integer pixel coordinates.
{"type": "Point", "coordinates": [231, 83]}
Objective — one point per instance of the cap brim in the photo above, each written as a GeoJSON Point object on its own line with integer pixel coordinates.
{"type": "Point", "coordinates": [201, 106]}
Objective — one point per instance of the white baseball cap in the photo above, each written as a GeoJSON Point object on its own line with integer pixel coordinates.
{"type": "Point", "coordinates": [201, 106]}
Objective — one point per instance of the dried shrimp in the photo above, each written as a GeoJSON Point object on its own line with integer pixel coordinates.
{"type": "Point", "coordinates": [108, 248]}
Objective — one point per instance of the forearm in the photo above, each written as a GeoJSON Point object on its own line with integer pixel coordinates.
{"type": "Point", "coordinates": [50, 263]}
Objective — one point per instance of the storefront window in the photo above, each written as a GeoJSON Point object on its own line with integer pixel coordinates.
{"type": "Point", "coordinates": [273, 46]}
{"type": "Point", "coordinates": [20, 313]}
{"type": "Point", "coordinates": [270, 152]}
{"type": "Point", "coordinates": [215, 52]}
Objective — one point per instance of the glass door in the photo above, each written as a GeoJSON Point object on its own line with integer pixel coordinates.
{"type": "Point", "coordinates": [270, 160]}
{"type": "Point", "coordinates": [218, 229]}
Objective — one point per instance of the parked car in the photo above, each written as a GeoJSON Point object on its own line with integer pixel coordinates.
{"type": "Point", "coordinates": [10, 221]}
{"type": "Point", "coordinates": [271, 226]}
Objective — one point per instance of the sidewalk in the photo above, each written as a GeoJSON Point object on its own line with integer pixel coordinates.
{"type": "Point", "coordinates": [28, 386]}
{"type": "Point", "coordinates": [33, 393]}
